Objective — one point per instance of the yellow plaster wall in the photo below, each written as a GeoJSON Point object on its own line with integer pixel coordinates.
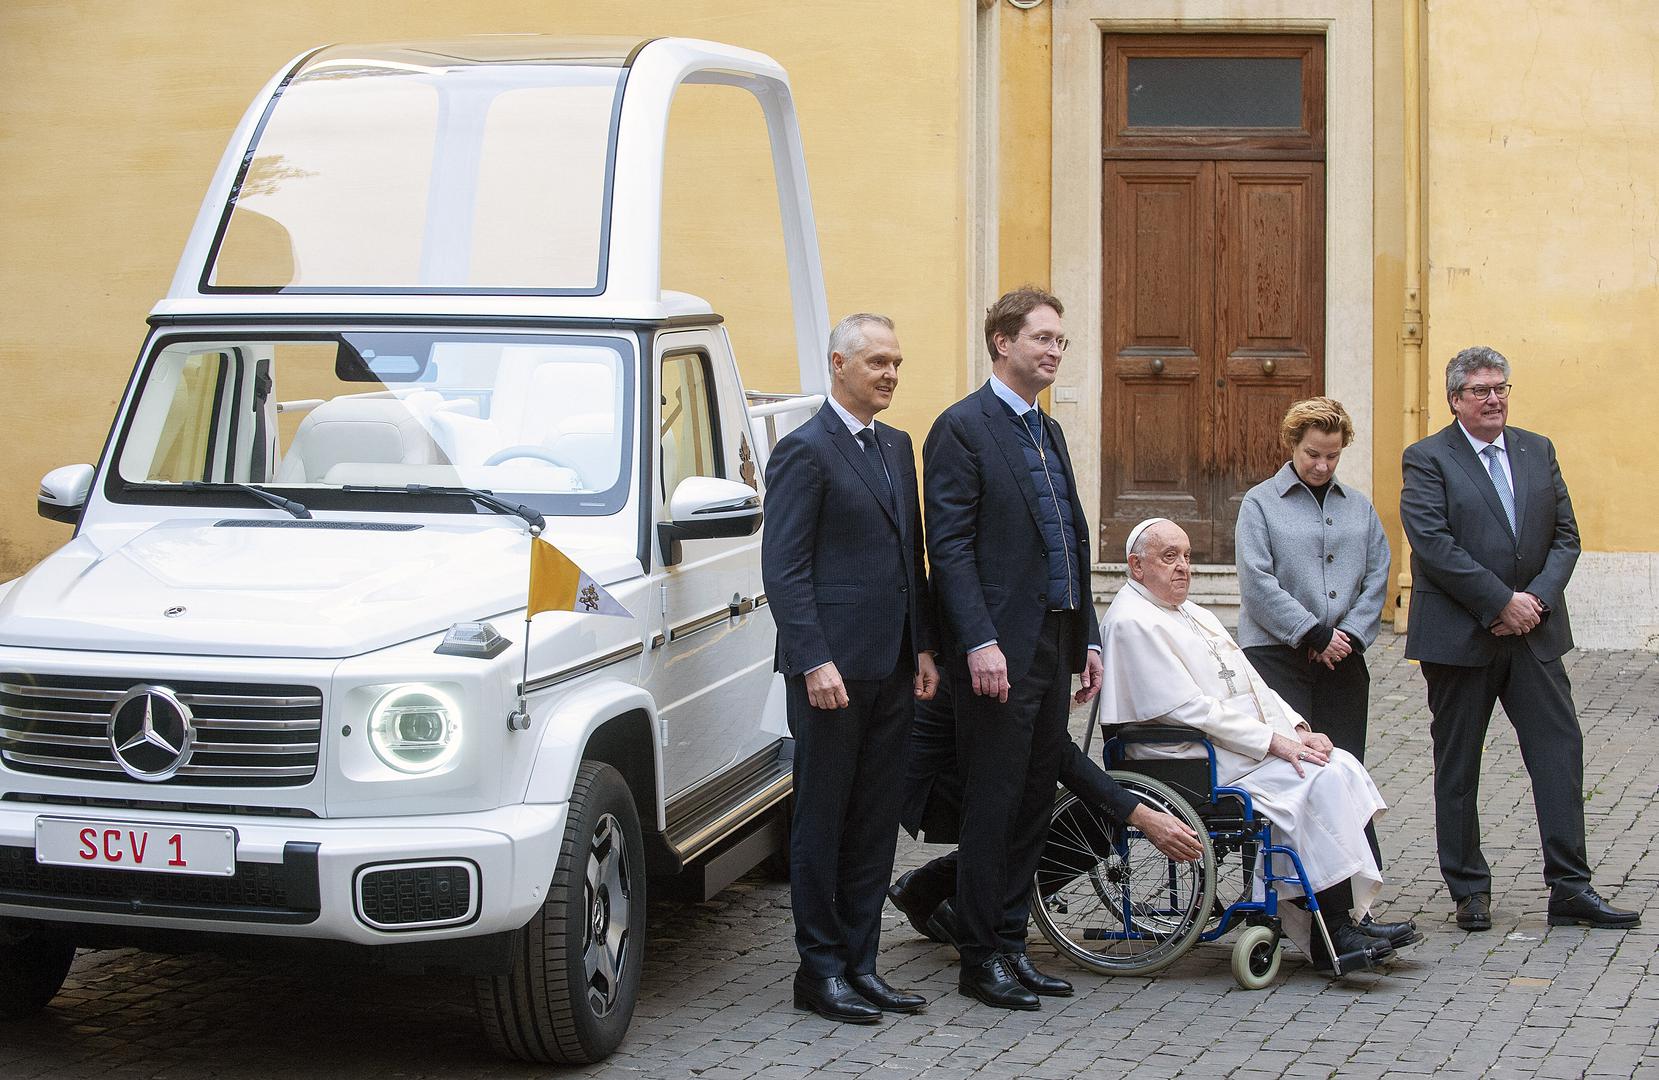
{"type": "Point", "coordinates": [1025, 120]}
{"type": "Point", "coordinates": [1388, 263]}
{"type": "Point", "coordinates": [1543, 237]}
{"type": "Point", "coordinates": [113, 117]}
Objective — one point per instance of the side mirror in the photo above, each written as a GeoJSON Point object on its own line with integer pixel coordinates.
{"type": "Point", "coordinates": [706, 507]}
{"type": "Point", "coordinates": [63, 493]}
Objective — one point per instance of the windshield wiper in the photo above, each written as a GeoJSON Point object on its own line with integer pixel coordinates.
{"type": "Point", "coordinates": [262, 494]}
{"type": "Point", "coordinates": [484, 498]}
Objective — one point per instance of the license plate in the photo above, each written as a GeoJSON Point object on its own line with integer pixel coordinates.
{"type": "Point", "coordinates": [122, 845]}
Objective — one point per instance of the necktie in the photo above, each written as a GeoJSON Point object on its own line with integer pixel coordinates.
{"type": "Point", "coordinates": [1494, 465]}
{"type": "Point", "coordinates": [867, 439]}
{"type": "Point", "coordinates": [1034, 425]}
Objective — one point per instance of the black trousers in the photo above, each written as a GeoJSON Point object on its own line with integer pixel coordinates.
{"type": "Point", "coordinates": [849, 787]}
{"type": "Point", "coordinates": [1538, 699]}
{"type": "Point", "coordinates": [1335, 701]}
{"type": "Point", "coordinates": [1009, 753]}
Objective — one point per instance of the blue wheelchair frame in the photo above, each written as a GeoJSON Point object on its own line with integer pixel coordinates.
{"type": "Point", "coordinates": [1252, 831]}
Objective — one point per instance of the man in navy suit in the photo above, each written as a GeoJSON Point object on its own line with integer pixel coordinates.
{"type": "Point", "coordinates": [1009, 550]}
{"type": "Point", "coordinates": [1493, 542]}
{"type": "Point", "coordinates": [842, 559]}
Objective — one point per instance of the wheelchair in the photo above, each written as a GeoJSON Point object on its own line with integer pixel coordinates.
{"type": "Point", "coordinates": [1111, 902]}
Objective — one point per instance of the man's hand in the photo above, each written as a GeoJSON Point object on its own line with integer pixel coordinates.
{"type": "Point", "coordinates": [1340, 648]}
{"type": "Point", "coordinates": [1295, 752]}
{"type": "Point", "coordinates": [1169, 834]}
{"type": "Point", "coordinates": [927, 677]}
{"type": "Point", "coordinates": [989, 671]}
{"type": "Point", "coordinates": [1093, 672]}
{"type": "Point", "coordinates": [824, 688]}
{"type": "Point", "coordinates": [1523, 612]}
{"type": "Point", "coordinates": [1315, 741]}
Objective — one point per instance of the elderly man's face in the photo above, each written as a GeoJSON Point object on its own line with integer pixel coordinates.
{"type": "Point", "coordinates": [1165, 567]}
{"type": "Point", "coordinates": [865, 381]}
{"type": "Point", "coordinates": [1482, 419]}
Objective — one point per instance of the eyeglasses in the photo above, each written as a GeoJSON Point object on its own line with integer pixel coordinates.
{"type": "Point", "coordinates": [1048, 341]}
{"type": "Point", "coordinates": [1481, 393]}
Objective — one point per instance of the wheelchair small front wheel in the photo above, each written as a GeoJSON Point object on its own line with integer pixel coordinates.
{"type": "Point", "coordinates": [1256, 956]}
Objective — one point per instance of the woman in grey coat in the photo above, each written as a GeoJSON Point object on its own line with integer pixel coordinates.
{"type": "Point", "coordinates": [1313, 568]}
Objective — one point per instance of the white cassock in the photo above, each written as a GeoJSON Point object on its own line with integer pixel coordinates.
{"type": "Point", "coordinates": [1180, 666]}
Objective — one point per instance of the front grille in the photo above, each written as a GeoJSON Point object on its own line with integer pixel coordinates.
{"type": "Point", "coordinates": [284, 892]}
{"type": "Point", "coordinates": [421, 895]}
{"type": "Point", "coordinates": [245, 736]}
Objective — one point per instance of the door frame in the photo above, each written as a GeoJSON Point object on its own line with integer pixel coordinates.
{"type": "Point", "coordinates": [1079, 33]}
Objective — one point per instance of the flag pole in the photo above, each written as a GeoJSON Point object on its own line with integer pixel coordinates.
{"type": "Point", "coordinates": [519, 718]}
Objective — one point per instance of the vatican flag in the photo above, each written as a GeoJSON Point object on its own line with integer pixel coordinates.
{"type": "Point", "coordinates": [557, 584]}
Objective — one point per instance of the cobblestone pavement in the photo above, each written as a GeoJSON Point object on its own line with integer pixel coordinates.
{"type": "Point", "coordinates": [1523, 1000]}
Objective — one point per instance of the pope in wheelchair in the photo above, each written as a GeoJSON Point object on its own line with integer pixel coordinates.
{"type": "Point", "coordinates": [1267, 788]}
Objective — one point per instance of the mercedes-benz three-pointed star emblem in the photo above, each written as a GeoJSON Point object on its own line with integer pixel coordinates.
{"type": "Point", "coordinates": [150, 732]}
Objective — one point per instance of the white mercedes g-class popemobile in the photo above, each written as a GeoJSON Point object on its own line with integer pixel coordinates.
{"type": "Point", "coordinates": [270, 693]}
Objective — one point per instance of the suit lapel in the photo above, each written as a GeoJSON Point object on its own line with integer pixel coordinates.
{"type": "Point", "coordinates": [1524, 472]}
{"type": "Point", "coordinates": [1464, 454]}
{"type": "Point", "coordinates": [1008, 441]}
{"type": "Point", "coordinates": [1058, 438]}
{"type": "Point", "coordinates": [842, 440]}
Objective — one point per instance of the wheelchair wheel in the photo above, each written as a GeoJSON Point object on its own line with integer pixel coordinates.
{"type": "Point", "coordinates": [1111, 902]}
{"type": "Point", "coordinates": [1256, 956]}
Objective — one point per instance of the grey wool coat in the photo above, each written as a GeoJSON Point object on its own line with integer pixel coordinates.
{"type": "Point", "coordinates": [1301, 565]}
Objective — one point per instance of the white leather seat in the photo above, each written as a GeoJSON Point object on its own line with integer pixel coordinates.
{"type": "Point", "coordinates": [358, 430]}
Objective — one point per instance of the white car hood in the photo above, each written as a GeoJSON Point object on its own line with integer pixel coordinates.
{"type": "Point", "coordinates": [198, 588]}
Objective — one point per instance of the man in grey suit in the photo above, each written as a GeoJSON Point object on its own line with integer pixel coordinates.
{"type": "Point", "coordinates": [1493, 542]}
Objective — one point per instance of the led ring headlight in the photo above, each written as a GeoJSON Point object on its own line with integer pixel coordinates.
{"type": "Point", "coordinates": [415, 728]}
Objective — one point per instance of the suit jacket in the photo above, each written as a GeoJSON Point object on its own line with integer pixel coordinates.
{"type": "Point", "coordinates": [1465, 561]}
{"type": "Point", "coordinates": [843, 570]}
{"type": "Point", "coordinates": [985, 541]}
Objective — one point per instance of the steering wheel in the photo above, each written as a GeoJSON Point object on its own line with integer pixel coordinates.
{"type": "Point", "coordinates": [527, 450]}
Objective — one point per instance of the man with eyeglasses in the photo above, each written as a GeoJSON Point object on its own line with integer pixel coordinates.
{"type": "Point", "coordinates": [1493, 542]}
{"type": "Point", "coordinates": [1008, 546]}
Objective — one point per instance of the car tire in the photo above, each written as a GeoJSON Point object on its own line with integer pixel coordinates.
{"type": "Point", "coordinates": [33, 965]}
{"type": "Point", "coordinates": [576, 965]}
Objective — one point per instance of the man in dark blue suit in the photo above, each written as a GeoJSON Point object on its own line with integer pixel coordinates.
{"type": "Point", "coordinates": [1493, 543]}
{"type": "Point", "coordinates": [842, 559]}
{"type": "Point", "coordinates": [1009, 549]}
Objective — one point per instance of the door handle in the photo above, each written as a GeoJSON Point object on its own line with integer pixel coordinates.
{"type": "Point", "coordinates": [741, 605]}
{"type": "Point", "coordinates": [1157, 365]}
{"type": "Point", "coordinates": [1269, 367]}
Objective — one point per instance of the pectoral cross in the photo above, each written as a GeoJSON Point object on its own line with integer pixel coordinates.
{"type": "Point", "coordinates": [1227, 674]}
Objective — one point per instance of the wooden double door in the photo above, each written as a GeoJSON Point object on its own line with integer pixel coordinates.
{"type": "Point", "coordinates": [1214, 304]}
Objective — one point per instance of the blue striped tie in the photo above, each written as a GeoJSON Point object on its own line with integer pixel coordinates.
{"type": "Point", "coordinates": [1494, 465]}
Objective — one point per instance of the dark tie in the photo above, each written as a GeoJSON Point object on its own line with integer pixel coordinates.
{"type": "Point", "coordinates": [1494, 465]}
{"type": "Point", "coordinates": [1034, 424]}
{"type": "Point", "coordinates": [867, 439]}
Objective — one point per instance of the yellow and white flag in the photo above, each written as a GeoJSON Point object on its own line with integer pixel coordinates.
{"type": "Point", "coordinates": [558, 584]}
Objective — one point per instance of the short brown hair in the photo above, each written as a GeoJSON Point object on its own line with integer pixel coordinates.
{"type": "Point", "coordinates": [1326, 414]}
{"type": "Point", "coordinates": [1007, 315]}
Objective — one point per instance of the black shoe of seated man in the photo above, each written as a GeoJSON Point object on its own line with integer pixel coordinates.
{"type": "Point", "coordinates": [1032, 979]}
{"type": "Point", "coordinates": [1397, 934]}
{"type": "Point", "coordinates": [992, 983]}
{"type": "Point", "coordinates": [833, 999]}
{"type": "Point", "coordinates": [912, 905]}
{"type": "Point", "coordinates": [1355, 949]}
{"type": "Point", "coordinates": [942, 926]}
{"type": "Point", "coordinates": [1588, 909]}
{"type": "Point", "coordinates": [874, 989]}
{"type": "Point", "coordinates": [1474, 912]}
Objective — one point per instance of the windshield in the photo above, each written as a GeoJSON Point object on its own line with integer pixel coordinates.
{"type": "Point", "coordinates": [544, 419]}
{"type": "Point", "coordinates": [419, 170]}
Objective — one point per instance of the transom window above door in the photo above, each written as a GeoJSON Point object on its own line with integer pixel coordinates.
{"type": "Point", "coordinates": [1250, 93]}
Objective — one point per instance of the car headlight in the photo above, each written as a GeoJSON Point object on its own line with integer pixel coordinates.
{"type": "Point", "coordinates": [415, 728]}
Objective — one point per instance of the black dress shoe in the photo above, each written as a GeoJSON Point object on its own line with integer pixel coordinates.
{"type": "Point", "coordinates": [833, 999]}
{"type": "Point", "coordinates": [1397, 934]}
{"type": "Point", "coordinates": [1032, 979]}
{"type": "Point", "coordinates": [1355, 949]}
{"type": "Point", "coordinates": [874, 989]}
{"type": "Point", "coordinates": [992, 983]}
{"type": "Point", "coordinates": [1588, 909]}
{"type": "Point", "coordinates": [942, 925]}
{"type": "Point", "coordinates": [914, 906]}
{"type": "Point", "coordinates": [1474, 912]}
